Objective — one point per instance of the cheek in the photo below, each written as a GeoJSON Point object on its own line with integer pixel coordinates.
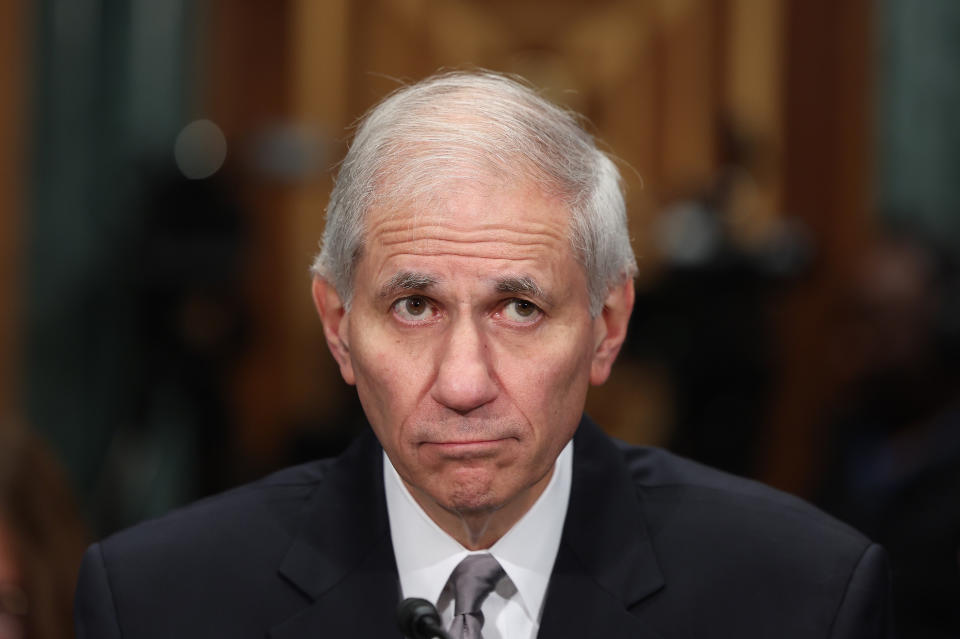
{"type": "Point", "coordinates": [548, 378]}
{"type": "Point", "coordinates": [391, 376]}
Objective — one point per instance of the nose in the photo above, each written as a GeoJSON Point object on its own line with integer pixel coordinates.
{"type": "Point", "coordinates": [465, 377]}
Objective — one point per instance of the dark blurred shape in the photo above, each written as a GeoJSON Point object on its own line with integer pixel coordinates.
{"type": "Point", "coordinates": [41, 540]}
{"type": "Point", "coordinates": [311, 439]}
{"type": "Point", "coordinates": [189, 326]}
{"type": "Point", "coordinates": [894, 467]}
{"type": "Point", "coordinates": [110, 86]}
{"type": "Point", "coordinates": [707, 320]}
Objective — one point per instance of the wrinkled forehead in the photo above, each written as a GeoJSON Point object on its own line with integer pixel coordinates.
{"type": "Point", "coordinates": [409, 201]}
{"type": "Point", "coordinates": [496, 235]}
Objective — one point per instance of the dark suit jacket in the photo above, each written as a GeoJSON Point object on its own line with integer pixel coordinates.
{"type": "Point", "coordinates": [653, 546]}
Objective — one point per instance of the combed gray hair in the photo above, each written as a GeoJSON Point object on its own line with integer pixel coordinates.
{"type": "Point", "coordinates": [470, 126]}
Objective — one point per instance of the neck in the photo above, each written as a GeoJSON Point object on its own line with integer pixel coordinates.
{"type": "Point", "coordinates": [480, 529]}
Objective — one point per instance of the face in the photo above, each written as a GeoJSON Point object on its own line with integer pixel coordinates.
{"type": "Point", "coordinates": [470, 342]}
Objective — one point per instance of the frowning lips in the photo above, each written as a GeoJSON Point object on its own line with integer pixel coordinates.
{"type": "Point", "coordinates": [468, 448]}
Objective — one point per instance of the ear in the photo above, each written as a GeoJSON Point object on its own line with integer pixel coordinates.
{"type": "Point", "coordinates": [610, 329]}
{"type": "Point", "coordinates": [334, 317]}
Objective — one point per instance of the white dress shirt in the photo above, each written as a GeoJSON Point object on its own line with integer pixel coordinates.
{"type": "Point", "coordinates": [426, 555]}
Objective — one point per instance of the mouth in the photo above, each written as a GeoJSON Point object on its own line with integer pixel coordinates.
{"type": "Point", "coordinates": [469, 448]}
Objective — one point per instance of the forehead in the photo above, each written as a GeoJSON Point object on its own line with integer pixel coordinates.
{"type": "Point", "coordinates": [497, 227]}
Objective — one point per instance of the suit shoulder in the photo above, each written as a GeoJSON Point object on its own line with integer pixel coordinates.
{"type": "Point", "coordinates": [750, 559]}
{"type": "Point", "coordinates": [265, 506]}
{"type": "Point", "coordinates": [662, 477]}
{"type": "Point", "coordinates": [240, 546]}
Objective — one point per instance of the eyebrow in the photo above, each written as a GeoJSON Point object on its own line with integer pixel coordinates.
{"type": "Point", "coordinates": [406, 281]}
{"type": "Point", "coordinates": [523, 285]}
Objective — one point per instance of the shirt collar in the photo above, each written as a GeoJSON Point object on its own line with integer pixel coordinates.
{"type": "Point", "coordinates": [426, 555]}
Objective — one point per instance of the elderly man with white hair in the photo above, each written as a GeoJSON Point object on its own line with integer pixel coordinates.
{"type": "Point", "coordinates": [475, 278]}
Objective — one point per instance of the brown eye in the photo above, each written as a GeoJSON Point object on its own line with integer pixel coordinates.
{"type": "Point", "coordinates": [414, 309]}
{"type": "Point", "coordinates": [524, 308]}
{"type": "Point", "coordinates": [521, 311]}
{"type": "Point", "coordinates": [415, 305]}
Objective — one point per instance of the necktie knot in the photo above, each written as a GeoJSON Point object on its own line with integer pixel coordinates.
{"type": "Point", "coordinates": [473, 580]}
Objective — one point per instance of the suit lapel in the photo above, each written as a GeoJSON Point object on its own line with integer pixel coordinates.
{"type": "Point", "coordinates": [578, 606]}
{"type": "Point", "coordinates": [342, 558]}
{"type": "Point", "coordinates": [362, 604]}
{"type": "Point", "coordinates": [606, 562]}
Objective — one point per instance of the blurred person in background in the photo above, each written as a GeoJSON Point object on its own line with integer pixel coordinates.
{"type": "Point", "coordinates": [41, 540]}
{"type": "Point", "coordinates": [707, 318]}
{"type": "Point", "coordinates": [894, 466]}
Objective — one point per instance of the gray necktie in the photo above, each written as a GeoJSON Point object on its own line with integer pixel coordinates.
{"type": "Point", "coordinates": [473, 579]}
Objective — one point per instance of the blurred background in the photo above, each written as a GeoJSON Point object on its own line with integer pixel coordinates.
{"type": "Point", "coordinates": [793, 179]}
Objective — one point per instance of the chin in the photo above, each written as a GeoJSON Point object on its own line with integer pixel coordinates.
{"type": "Point", "coordinates": [471, 499]}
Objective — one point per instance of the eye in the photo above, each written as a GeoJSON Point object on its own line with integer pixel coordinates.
{"type": "Point", "coordinates": [414, 309]}
{"type": "Point", "coordinates": [521, 311]}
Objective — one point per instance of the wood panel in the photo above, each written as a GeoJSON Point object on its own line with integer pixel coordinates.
{"type": "Point", "coordinates": [246, 90]}
{"type": "Point", "coordinates": [14, 26]}
{"type": "Point", "coordinates": [277, 71]}
{"type": "Point", "coordinates": [320, 41]}
{"type": "Point", "coordinates": [753, 99]}
{"type": "Point", "coordinates": [690, 74]}
{"type": "Point", "coordinates": [826, 183]}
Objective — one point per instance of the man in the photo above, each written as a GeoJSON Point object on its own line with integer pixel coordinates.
{"type": "Point", "coordinates": [475, 279]}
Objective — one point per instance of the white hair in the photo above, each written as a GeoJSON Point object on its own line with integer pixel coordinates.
{"type": "Point", "coordinates": [469, 126]}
